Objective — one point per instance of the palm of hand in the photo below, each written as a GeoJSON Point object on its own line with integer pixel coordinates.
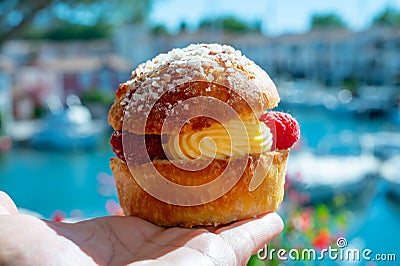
{"type": "Point", "coordinates": [117, 240]}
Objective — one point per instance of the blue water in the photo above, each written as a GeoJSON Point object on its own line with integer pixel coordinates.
{"type": "Point", "coordinates": [46, 181]}
{"type": "Point", "coordinates": [375, 217]}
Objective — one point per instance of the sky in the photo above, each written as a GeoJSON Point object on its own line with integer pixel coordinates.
{"type": "Point", "coordinates": [277, 16]}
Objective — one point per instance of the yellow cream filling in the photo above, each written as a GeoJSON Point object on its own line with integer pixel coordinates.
{"type": "Point", "coordinates": [233, 138]}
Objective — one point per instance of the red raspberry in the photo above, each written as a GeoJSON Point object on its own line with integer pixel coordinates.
{"type": "Point", "coordinates": [133, 152]}
{"type": "Point", "coordinates": [116, 144]}
{"type": "Point", "coordinates": [284, 128]}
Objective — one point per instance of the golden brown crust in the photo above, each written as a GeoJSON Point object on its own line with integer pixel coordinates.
{"type": "Point", "coordinates": [198, 70]}
{"type": "Point", "coordinates": [239, 203]}
{"type": "Point", "coordinates": [116, 112]}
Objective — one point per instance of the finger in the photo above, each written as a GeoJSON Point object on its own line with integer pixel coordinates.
{"type": "Point", "coordinates": [7, 205]}
{"type": "Point", "coordinates": [248, 236]}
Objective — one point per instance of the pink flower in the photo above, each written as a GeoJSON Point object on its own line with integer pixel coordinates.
{"type": "Point", "coordinates": [113, 208]}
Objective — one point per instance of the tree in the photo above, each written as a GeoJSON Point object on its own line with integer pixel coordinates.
{"type": "Point", "coordinates": [69, 31]}
{"type": "Point", "coordinates": [18, 15]}
{"type": "Point", "coordinates": [159, 30]}
{"type": "Point", "coordinates": [97, 96]}
{"type": "Point", "coordinates": [228, 24]}
{"type": "Point", "coordinates": [327, 21]}
{"type": "Point", "coordinates": [388, 17]}
{"type": "Point", "coordinates": [15, 15]}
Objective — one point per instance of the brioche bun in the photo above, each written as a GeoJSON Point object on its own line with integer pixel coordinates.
{"type": "Point", "coordinates": [148, 98]}
{"type": "Point", "coordinates": [239, 203]}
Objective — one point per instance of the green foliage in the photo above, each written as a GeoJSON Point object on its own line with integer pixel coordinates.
{"type": "Point", "coordinates": [39, 111]}
{"type": "Point", "coordinates": [183, 26]}
{"type": "Point", "coordinates": [32, 33]}
{"type": "Point", "coordinates": [68, 31]}
{"type": "Point", "coordinates": [352, 84]}
{"type": "Point", "coordinates": [98, 96]}
{"type": "Point", "coordinates": [327, 21]}
{"type": "Point", "coordinates": [17, 16]}
{"type": "Point", "coordinates": [254, 261]}
{"type": "Point", "coordinates": [230, 24]}
{"type": "Point", "coordinates": [389, 17]}
{"type": "Point", "coordinates": [159, 30]}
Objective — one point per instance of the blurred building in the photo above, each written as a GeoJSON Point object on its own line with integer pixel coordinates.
{"type": "Point", "coordinates": [378, 56]}
{"type": "Point", "coordinates": [331, 56]}
{"type": "Point", "coordinates": [136, 43]}
{"type": "Point", "coordinates": [57, 69]}
{"type": "Point", "coordinates": [43, 68]}
{"type": "Point", "coordinates": [75, 74]}
{"type": "Point", "coordinates": [337, 55]}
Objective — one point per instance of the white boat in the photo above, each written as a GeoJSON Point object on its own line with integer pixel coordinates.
{"type": "Point", "coordinates": [306, 94]}
{"type": "Point", "coordinates": [390, 172]}
{"type": "Point", "coordinates": [369, 103]}
{"type": "Point", "coordinates": [383, 144]}
{"type": "Point", "coordinates": [321, 177]}
{"type": "Point", "coordinates": [70, 128]}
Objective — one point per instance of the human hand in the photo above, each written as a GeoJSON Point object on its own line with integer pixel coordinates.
{"type": "Point", "coordinates": [117, 240]}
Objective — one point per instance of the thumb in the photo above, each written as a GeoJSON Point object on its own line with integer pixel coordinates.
{"type": "Point", "coordinates": [248, 236]}
{"type": "Point", "coordinates": [7, 205]}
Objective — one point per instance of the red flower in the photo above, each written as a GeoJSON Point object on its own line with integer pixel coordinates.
{"type": "Point", "coordinates": [322, 240]}
{"type": "Point", "coordinates": [302, 222]}
{"type": "Point", "coordinates": [58, 216]}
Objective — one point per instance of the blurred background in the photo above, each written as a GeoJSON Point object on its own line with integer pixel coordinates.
{"type": "Point", "coordinates": [336, 65]}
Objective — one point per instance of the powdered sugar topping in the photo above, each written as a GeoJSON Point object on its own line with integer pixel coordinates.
{"type": "Point", "coordinates": [213, 63]}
